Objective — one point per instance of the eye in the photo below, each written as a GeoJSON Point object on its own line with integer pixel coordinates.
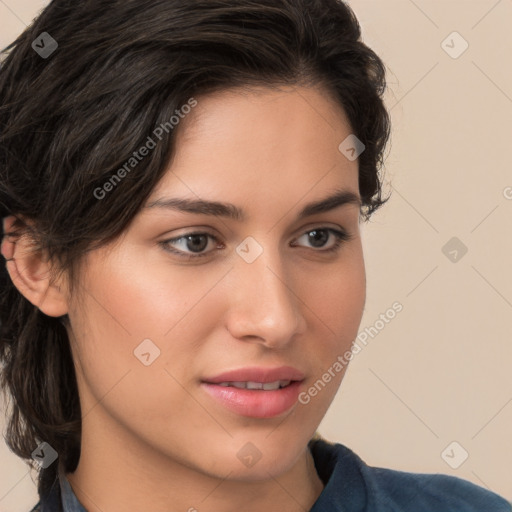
{"type": "Point", "coordinates": [193, 245]}
{"type": "Point", "coordinates": [318, 237]}
{"type": "Point", "coordinates": [194, 242]}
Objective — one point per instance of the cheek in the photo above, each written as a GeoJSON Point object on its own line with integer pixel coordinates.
{"type": "Point", "coordinates": [337, 295]}
{"type": "Point", "coordinates": [127, 369]}
{"type": "Point", "coordinates": [125, 304]}
{"type": "Point", "coordinates": [140, 297]}
{"type": "Point", "coordinates": [335, 303]}
{"type": "Point", "coordinates": [177, 311]}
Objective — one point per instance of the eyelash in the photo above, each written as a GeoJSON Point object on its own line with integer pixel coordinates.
{"type": "Point", "coordinates": [340, 235]}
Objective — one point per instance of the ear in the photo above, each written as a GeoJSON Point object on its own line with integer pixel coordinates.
{"type": "Point", "coordinates": [30, 271]}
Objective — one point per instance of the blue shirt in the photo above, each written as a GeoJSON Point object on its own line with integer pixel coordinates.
{"type": "Point", "coordinates": [352, 486]}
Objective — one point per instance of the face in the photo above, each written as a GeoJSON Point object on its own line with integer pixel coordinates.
{"type": "Point", "coordinates": [163, 311]}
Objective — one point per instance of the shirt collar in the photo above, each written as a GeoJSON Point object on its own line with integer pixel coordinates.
{"type": "Point", "coordinates": [339, 469]}
{"type": "Point", "coordinates": [70, 502]}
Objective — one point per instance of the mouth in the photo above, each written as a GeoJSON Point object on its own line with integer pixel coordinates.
{"type": "Point", "coordinates": [255, 392]}
{"type": "Point", "coordinates": [264, 386]}
{"type": "Point", "coordinates": [254, 399]}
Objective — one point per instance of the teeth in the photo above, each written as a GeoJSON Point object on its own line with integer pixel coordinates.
{"type": "Point", "coordinates": [253, 385]}
{"type": "Point", "coordinates": [267, 386]}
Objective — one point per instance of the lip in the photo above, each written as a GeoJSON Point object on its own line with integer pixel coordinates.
{"type": "Point", "coordinates": [255, 403]}
{"type": "Point", "coordinates": [257, 374]}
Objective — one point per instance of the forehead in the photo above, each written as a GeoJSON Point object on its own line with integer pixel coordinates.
{"type": "Point", "coordinates": [260, 143]}
{"type": "Point", "coordinates": [263, 113]}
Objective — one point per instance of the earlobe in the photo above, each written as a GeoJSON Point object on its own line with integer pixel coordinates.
{"type": "Point", "coordinates": [30, 271]}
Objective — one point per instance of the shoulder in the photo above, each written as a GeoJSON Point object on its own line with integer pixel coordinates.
{"type": "Point", "coordinates": [37, 507]}
{"type": "Point", "coordinates": [371, 488]}
{"type": "Point", "coordinates": [400, 490]}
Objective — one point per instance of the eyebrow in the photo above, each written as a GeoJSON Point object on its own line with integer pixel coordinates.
{"type": "Point", "coordinates": [198, 206]}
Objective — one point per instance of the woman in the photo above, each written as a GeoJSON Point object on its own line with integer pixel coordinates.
{"type": "Point", "coordinates": [149, 371]}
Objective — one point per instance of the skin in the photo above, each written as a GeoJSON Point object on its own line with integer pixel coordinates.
{"type": "Point", "coordinates": [152, 438]}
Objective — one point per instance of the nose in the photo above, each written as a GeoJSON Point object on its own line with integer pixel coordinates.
{"type": "Point", "coordinates": [264, 306]}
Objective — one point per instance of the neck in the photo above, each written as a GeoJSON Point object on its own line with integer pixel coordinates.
{"type": "Point", "coordinates": [111, 478]}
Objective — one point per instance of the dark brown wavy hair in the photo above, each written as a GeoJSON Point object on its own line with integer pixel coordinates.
{"type": "Point", "coordinates": [69, 121]}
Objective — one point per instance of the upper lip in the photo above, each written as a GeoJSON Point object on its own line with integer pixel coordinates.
{"type": "Point", "coordinates": [257, 374]}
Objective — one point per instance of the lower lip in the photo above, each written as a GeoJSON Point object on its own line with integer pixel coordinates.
{"type": "Point", "coordinates": [255, 403]}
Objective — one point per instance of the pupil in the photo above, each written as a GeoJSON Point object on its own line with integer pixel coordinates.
{"type": "Point", "coordinates": [313, 235]}
{"type": "Point", "coordinates": [195, 245]}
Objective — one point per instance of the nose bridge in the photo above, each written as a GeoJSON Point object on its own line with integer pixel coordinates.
{"type": "Point", "coordinates": [264, 304]}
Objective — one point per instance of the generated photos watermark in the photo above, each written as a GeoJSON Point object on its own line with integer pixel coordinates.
{"type": "Point", "coordinates": [343, 360]}
{"type": "Point", "coordinates": [142, 152]}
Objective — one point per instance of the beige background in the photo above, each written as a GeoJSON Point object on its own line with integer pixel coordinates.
{"type": "Point", "coordinates": [440, 370]}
